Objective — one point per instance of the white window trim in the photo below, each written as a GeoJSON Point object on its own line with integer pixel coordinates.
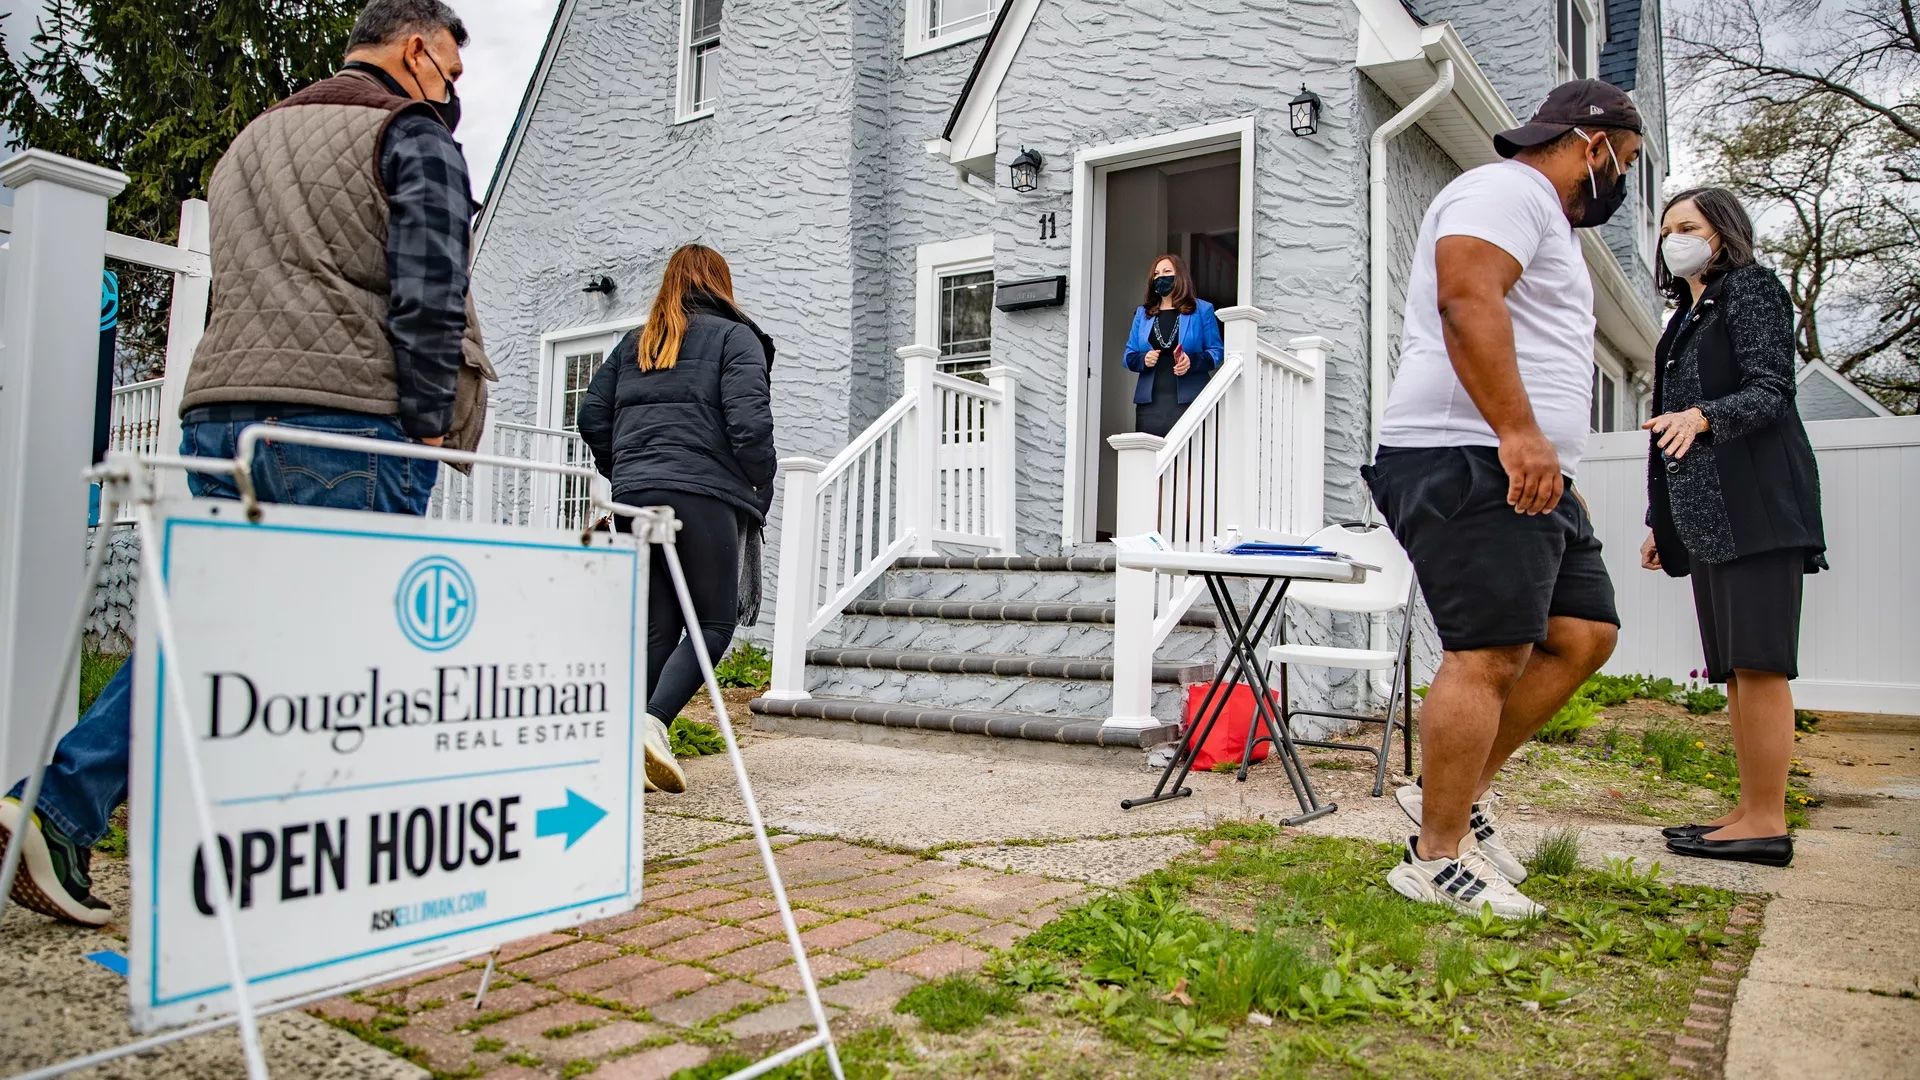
{"type": "Point", "coordinates": [1587, 10]}
{"type": "Point", "coordinates": [1650, 229]}
{"type": "Point", "coordinates": [1626, 402]}
{"type": "Point", "coordinates": [919, 42]}
{"type": "Point", "coordinates": [966, 255]}
{"type": "Point", "coordinates": [556, 343]}
{"type": "Point", "coordinates": [683, 110]}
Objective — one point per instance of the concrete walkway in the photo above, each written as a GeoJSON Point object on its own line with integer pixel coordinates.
{"type": "Point", "coordinates": [1835, 986]}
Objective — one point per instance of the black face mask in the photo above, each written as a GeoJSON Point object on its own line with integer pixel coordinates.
{"type": "Point", "coordinates": [1163, 285]}
{"type": "Point", "coordinates": [1599, 200]}
{"type": "Point", "coordinates": [448, 110]}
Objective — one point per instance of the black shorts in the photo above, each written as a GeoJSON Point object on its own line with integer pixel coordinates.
{"type": "Point", "coordinates": [1749, 612]}
{"type": "Point", "coordinates": [1491, 577]}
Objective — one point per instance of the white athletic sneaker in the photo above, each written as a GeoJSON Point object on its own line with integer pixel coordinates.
{"type": "Point", "coordinates": [1480, 823]}
{"type": "Point", "coordinates": [1465, 884]}
{"type": "Point", "coordinates": [663, 772]}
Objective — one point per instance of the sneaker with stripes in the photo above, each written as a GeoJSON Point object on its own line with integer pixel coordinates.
{"type": "Point", "coordinates": [1466, 884]}
{"type": "Point", "coordinates": [1480, 823]}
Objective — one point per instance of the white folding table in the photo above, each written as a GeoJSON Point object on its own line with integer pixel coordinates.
{"type": "Point", "coordinates": [1270, 576]}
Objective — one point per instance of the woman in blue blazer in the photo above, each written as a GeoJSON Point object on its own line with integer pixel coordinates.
{"type": "Point", "coordinates": [1175, 346]}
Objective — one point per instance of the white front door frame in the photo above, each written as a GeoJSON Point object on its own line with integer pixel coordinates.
{"type": "Point", "coordinates": [1086, 288]}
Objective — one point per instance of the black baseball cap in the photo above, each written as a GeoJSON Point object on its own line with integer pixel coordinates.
{"type": "Point", "coordinates": [1582, 103]}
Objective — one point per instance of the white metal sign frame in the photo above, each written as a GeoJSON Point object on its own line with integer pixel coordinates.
{"type": "Point", "coordinates": [127, 479]}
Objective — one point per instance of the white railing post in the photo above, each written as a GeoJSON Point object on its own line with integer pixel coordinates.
{"type": "Point", "coordinates": [920, 450]}
{"type": "Point", "coordinates": [1240, 437]}
{"type": "Point", "coordinates": [186, 324]}
{"type": "Point", "coordinates": [793, 604]}
{"type": "Point", "coordinates": [1004, 451]}
{"type": "Point", "coordinates": [47, 388]}
{"type": "Point", "coordinates": [480, 481]}
{"type": "Point", "coordinates": [1309, 495]}
{"type": "Point", "coordinates": [1133, 589]}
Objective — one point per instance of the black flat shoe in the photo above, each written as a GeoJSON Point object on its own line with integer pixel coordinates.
{"type": "Point", "coordinates": [1764, 850]}
{"type": "Point", "coordinates": [1672, 832]}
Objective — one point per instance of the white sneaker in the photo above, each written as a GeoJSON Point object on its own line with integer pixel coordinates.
{"type": "Point", "coordinates": [663, 772]}
{"type": "Point", "coordinates": [1480, 823]}
{"type": "Point", "coordinates": [1466, 884]}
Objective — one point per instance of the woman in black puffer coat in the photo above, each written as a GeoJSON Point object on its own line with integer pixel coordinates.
{"type": "Point", "coordinates": [680, 416]}
{"type": "Point", "coordinates": [1734, 500]}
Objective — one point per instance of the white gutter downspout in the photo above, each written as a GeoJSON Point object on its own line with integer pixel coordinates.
{"type": "Point", "coordinates": [1382, 373]}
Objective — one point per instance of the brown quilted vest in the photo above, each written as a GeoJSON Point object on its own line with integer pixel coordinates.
{"type": "Point", "coordinates": [299, 230]}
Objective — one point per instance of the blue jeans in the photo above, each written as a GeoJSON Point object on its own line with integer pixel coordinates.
{"type": "Point", "coordinates": [88, 775]}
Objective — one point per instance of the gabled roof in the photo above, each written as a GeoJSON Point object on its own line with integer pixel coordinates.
{"type": "Point", "coordinates": [562, 14]}
{"type": "Point", "coordinates": [970, 137]}
{"type": "Point", "coordinates": [1820, 369]}
{"type": "Point", "coordinates": [1620, 56]}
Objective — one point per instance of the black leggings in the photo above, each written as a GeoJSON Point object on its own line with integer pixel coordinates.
{"type": "Point", "coordinates": [709, 547]}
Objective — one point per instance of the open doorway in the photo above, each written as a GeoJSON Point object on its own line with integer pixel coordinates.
{"type": "Point", "coordinates": [1188, 206]}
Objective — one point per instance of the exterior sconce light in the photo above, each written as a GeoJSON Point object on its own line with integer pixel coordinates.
{"type": "Point", "coordinates": [1303, 112]}
{"type": "Point", "coordinates": [599, 283]}
{"type": "Point", "coordinates": [1026, 170]}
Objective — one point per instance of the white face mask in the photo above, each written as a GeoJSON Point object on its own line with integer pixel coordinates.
{"type": "Point", "coordinates": [1686, 255]}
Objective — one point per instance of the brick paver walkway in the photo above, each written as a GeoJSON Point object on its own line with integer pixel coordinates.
{"type": "Point", "coordinates": [702, 965]}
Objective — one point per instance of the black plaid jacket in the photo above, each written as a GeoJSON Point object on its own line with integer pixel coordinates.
{"type": "Point", "coordinates": [429, 222]}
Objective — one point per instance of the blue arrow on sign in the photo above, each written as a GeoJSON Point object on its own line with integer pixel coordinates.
{"type": "Point", "coordinates": [572, 820]}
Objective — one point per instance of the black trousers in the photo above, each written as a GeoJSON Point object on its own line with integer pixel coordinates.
{"type": "Point", "coordinates": [709, 547]}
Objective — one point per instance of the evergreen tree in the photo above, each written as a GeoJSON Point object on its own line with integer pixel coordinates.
{"type": "Point", "coordinates": [158, 89]}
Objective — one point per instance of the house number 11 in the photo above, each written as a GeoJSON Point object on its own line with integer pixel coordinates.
{"type": "Point", "coordinates": [1050, 226]}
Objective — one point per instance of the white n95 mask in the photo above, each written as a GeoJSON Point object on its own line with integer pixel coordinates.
{"type": "Point", "coordinates": [1686, 255]}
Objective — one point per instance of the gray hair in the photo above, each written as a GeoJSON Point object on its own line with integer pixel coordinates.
{"type": "Point", "coordinates": [383, 21]}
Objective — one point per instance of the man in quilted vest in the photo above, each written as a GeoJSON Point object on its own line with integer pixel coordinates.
{"type": "Point", "coordinates": [341, 222]}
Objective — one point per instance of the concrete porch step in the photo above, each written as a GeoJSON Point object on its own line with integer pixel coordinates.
{"type": "Point", "coordinates": [1010, 611]}
{"type": "Point", "coordinates": [964, 731]}
{"type": "Point", "coordinates": [885, 624]}
{"type": "Point", "coordinates": [1042, 686]}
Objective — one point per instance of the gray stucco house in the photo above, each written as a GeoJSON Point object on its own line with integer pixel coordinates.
{"type": "Point", "coordinates": [855, 161]}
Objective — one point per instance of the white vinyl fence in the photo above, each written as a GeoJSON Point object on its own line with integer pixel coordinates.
{"type": "Point", "coordinates": [1860, 630]}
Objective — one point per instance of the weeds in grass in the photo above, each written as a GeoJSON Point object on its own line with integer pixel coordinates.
{"type": "Point", "coordinates": [96, 670]}
{"type": "Point", "coordinates": [691, 738]}
{"type": "Point", "coordinates": [1331, 947]}
{"type": "Point", "coordinates": [1704, 700]}
{"type": "Point", "coordinates": [1557, 853]}
{"type": "Point", "coordinates": [1804, 721]}
{"type": "Point", "coordinates": [957, 1003]}
{"type": "Point", "coordinates": [746, 666]}
{"type": "Point", "coordinates": [1607, 691]}
{"type": "Point", "coordinates": [1030, 974]}
{"type": "Point", "coordinates": [1180, 1032]}
{"type": "Point", "coordinates": [1225, 767]}
{"type": "Point", "coordinates": [485, 1045]}
{"type": "Point", "coordinates": [1576, 716]}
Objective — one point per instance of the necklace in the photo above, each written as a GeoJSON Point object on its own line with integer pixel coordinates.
{"type": "Point", "coordinates": [1164, 343]}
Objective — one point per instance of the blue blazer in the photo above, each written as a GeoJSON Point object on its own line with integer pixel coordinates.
{"type": "Point", "coordinates": [1200, 336]}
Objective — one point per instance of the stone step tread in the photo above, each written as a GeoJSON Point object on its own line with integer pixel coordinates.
{"type": "Point", "coordinates": [1038, 667]}
{"type": "Point", "coordinates": [1083, 731]}
{"type": "Point", "coordinates": [1009, 611]}
{"type": "Point", "coordinates": [1078, 564]}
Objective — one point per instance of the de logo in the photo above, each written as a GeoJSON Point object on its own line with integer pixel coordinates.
{"type": "Point", "coordinates": [435, 603]}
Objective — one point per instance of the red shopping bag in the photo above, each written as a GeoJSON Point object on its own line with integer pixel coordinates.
{"type": "Point", "coordinates": [1228, 739]}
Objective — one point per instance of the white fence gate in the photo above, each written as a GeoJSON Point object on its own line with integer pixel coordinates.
{"type": "Point", "coordinates": [1860, 629]}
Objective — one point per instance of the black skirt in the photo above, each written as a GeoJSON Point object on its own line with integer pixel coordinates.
{"type": "Point", "coordinates": [1749, 611]}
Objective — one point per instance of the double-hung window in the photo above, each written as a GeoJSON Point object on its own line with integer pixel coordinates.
{"type": "Point", "coordinates": [1578, 32]}
{"type": "Point", "coordinates": [1649, 183]}
{"type": "Point", "coordinates": [954, 301]}
{"type": "Point", "coordinates": [936, 24]}
{"type": "Point", "coordinates": [699, 49]}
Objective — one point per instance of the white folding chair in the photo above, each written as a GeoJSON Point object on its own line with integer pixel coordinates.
{"type": "Point", "coordinates": [1388, 589]}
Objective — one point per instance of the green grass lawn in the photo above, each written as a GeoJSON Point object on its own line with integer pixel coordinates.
{"type": "Point", "coordinates": [1288, 956]}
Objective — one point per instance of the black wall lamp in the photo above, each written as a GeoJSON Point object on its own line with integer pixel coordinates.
{"type": "Point", "coordinates": [1303, 112]}
{"type": "Point", "coordinates": [1026, 170]}
{"type": "Point", "coordinates": [600, 283]}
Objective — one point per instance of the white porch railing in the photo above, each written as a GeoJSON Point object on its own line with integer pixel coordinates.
{"type": "Point", "coordinates": [503, 496]}
{"type": "Point", "coordinates": [936, 468]}
{"type": "Point", "coordinates": [133, 423]}
{"type": "Point", "coordinates": [1246, 460]}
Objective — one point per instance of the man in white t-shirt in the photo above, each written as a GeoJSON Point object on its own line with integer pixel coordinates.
{"type": "Point", "coordinates": [1483, 430]}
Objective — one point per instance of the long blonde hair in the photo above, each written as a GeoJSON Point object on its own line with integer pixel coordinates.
{"type": "Point", "coordinates": [694, 268]}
